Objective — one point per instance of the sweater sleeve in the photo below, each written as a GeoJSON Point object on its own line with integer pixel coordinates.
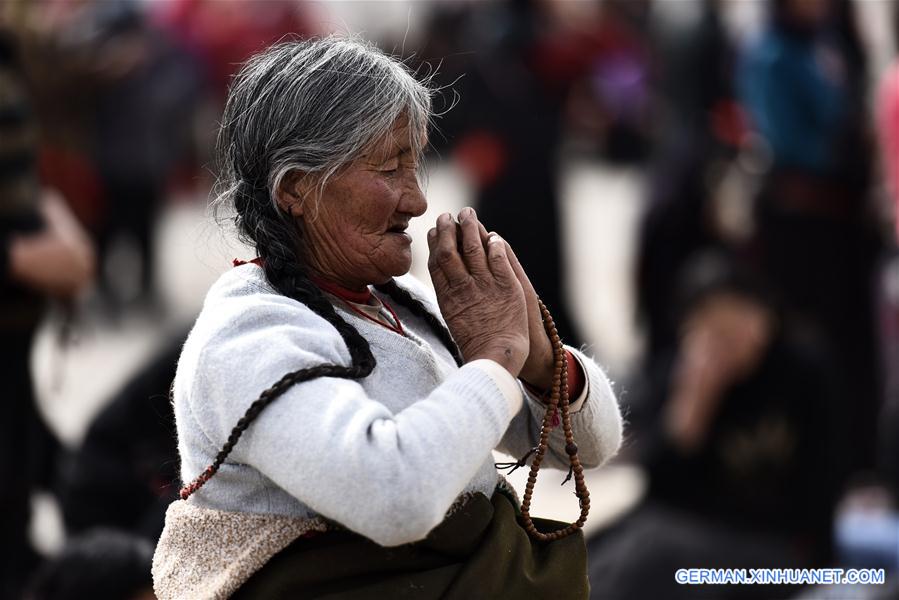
{"type": "Point", "coordinates": [597, 426]}
{"type": "Point", "coordinates": [388, 476]}
{"type": "Point", "coordinates": [595, 419]}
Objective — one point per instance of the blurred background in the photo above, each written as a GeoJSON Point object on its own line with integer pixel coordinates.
{"type": "Point", "coordinates": [703, 192]}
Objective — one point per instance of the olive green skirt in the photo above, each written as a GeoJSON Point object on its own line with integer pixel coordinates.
{"type": "Point", "coordinates": [479, 551]}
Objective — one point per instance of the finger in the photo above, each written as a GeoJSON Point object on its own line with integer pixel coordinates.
{"type": "Point", "coordinates": [483, 232]}
{"type": "Point", "coordinates": [498, 260]}
{"type": "Point", "coordinates": [471, 246]}
{"type": "Point", "coordinates": [445, 252]}
{"type": "Point", "coordinates": [437, 276]}
{"type": "Point", "coordinates": [519, 270]}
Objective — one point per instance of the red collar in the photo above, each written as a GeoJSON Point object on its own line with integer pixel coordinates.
{"type": "Point", "coordinates": [352, 298]}
{"type": "Point", "coordinates": [256, 261]}
{"type": "Point", "coordinates": [332, 288]}
{"type": "Point", "coordinates": [342, 292]}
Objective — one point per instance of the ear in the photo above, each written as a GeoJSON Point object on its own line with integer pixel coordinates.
{"type": "Point", "coordinates": [291, 194]}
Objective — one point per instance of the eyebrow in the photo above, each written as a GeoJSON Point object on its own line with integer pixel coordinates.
{"type": "Point", "coordinates": [389, 148]}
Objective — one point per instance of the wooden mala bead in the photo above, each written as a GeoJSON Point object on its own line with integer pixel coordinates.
{"type": "Point", "coordinates": [558, 400]}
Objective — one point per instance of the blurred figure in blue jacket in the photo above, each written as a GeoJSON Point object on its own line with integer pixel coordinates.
{"type": "Point", "coordinates": [816, 241]}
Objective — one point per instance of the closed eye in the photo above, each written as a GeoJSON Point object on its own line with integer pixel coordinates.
{"type": "Point", "coordinates": [390, 166]}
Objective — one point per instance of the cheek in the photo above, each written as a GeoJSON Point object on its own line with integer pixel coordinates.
{"type": "Point", "coordinates": [374, 205]}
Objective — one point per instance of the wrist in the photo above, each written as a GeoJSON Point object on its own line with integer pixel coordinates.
{"type": "Point", "coordinates": [539, 376]}
{"type": "Point", "coordinates": [506, 357]}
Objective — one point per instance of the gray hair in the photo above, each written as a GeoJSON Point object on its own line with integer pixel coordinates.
{"type": "Point", "coordinates": [314, 107]}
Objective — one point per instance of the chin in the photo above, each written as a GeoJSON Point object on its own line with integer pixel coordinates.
{"type": "Point", "coordinates": [395, 271]}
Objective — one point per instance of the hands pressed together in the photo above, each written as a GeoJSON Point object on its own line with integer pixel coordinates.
{"type": "Point", "coordinates": [486, 298]}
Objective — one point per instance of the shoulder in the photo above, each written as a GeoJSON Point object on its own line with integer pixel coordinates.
{"type": "Point", "coordinates": [246, 326]}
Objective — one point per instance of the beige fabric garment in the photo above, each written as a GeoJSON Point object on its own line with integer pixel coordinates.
{"type": "Point", "coordinates": [207, 554]}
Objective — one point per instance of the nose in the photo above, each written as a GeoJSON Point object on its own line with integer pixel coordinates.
{"type": "Point", "coordinates": [413, 201]}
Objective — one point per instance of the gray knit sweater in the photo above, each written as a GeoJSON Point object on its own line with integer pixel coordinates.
{"type": "Point", "coordinates": [385, 456]}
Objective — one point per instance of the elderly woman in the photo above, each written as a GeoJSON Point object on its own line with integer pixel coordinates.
{"type": "Point", "coordinates": [335, 420]}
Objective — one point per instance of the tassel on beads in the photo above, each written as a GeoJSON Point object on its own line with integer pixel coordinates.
{"type": "Point", "coordinates": [514, 465]}
{"type": "Point", "coordinates": [571, 451]}
{"type": "Point", "coordinates": [570, 473]}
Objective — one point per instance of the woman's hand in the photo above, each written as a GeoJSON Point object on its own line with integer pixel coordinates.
{"type": "Point", "coordinates": [478, 292]}
{"type": "Point", "coordinates": [538, 368]}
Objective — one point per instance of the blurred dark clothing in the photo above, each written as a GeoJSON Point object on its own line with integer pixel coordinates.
{"type": "Point", "coordinates": [825, 268]}
{"type": "Point", "coordinates": [638, 556]}
{"type": "Point", "coordinates": [508, 129]}
{"type": "Point", "coordinates": [815, 238]}
{"type": "Point", "coordinates": [888, 420]}
{"type": "Point", "coordinates": [617, 74]}
{"type": "Point", "coordinates": [143, 105]}
{"type": "Point", "coordinates": [696, 130]}
{"type": "Point", "coordinates": [767, 463]}
{"type": "Point", "coordinates": [26, 445]}
{"type": "Point", "coordinates": [675, 227]}
{"type": "Point", "coordinates": [28, 450]}
{"type": "Point", "coordinates": [757, 493]}
{"type": "Point", "coordinates": [146, 91]}
{"type": "Point", "coordinates": [521, 202]}
{"type": "Point", "coordinates": [693, 76]}
{"type": "Point", "coordinates": [20, 188]}
{"type": "Point", "coordinates": [125, 473]}
{"type": "Point", "coordinates": [102, 564]}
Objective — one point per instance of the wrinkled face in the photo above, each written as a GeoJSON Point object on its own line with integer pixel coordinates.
{"type": "Point", "coordinates": [356, 235]}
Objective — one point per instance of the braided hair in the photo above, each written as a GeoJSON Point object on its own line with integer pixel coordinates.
{"type": "Point", "coordinates": [309, 107]}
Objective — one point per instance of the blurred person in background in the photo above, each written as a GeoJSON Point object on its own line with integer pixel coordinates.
{"type": "Point", "coordinates": [220, 35]}
{"type": "Point", "coordinates": [737, 429]}
{"type": "Point", "coordinates": [44, 255]}
{"type": "Point", "coordinates": [102, 564]}
{"type": "Point", "coordinates": [888, 128]}
{"type": "Point", "coordinates": [606, 70]}
{"type": "Point", "coordinates": [144, 93]}
{"type": "Point", "coordinates": [803, 84]}
{"type": "Point", "coordinates": [516, 65]}
{"type": "Point", "coordinates": [508, 136]}
{"type": "Point", "coordinates": [124, 472]}
{"type": "Point", "coordinates": [698, 130]}
{"type": "Point", "coordinates": [888, 124]}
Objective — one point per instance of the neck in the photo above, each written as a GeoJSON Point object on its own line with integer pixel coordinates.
{"type": "Point", "coordinates": [359, 294]}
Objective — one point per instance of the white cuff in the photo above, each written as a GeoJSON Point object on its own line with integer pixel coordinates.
{"type": "Point", "coordinates": [576, 404]}
{"type": "Point", "coordinates": [507, 384]}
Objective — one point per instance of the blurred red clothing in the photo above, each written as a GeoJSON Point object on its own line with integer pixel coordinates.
{"type": "Point", "coordinates": [888, 126]}
{"type": "Point", "coordinates": [225, 34]}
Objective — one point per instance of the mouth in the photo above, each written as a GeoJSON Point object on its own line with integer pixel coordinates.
{"type": "Point", "coordinates": [400, 230]}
